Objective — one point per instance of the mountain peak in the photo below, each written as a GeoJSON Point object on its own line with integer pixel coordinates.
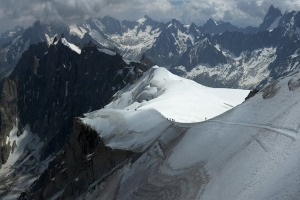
{"type": "Point", "coordinates": [175, 24]}
{"type": "Point", "coordinates": [271, 19]}
{"type": "Point", "coordinates": [210, 22]}
{"type": "Point", "coordinates": [273, 12]}
{"type": "Point", "coordinates": [217, 27]}
{"type": "Point", "coordinates": [144, 19]}
{"type": "Point", "coordinates": [175, 21]}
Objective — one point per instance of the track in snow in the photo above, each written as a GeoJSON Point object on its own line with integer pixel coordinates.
{"type": "Point", "coordinates": [290, 133]}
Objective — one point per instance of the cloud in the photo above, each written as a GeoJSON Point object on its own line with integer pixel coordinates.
{"type": "Point", "coordinates": [239, 12]}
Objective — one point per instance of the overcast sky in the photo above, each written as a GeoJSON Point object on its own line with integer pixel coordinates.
{"type": "Point", "coordinates": [238, 12]}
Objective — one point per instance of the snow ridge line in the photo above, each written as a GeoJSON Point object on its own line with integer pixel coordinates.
{"type": "Point", "coordinates": [290, 133]}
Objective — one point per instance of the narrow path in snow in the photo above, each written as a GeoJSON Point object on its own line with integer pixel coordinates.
{"type": "Point", "coordinates": [290, 133]}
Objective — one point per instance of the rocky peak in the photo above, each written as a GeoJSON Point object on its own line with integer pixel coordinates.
{"type": "Point", "coordinates": [213, 27]}
{"type": "Point", "coordinates": [194, 30]}
{"type": "Point", "coordinates": [112, 25]}
{"type": "Point", "coordinates": [210, 23]}
{"type": "Point", "coordinates": [53, 85]}
{"type": "Point", "coordinates": [271, 19]}
{"type": "Point", "coordinates": [175, 24]}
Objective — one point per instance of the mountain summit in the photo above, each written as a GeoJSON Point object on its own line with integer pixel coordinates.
{"type": "Point", "coordinates": [271, 19]}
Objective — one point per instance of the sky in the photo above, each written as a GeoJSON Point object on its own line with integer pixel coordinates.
{"type": "Point", "coordinates": [239, 12]}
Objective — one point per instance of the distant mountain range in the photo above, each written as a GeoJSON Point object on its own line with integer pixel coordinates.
{"type": "Point", "coordinates": [216, 54]}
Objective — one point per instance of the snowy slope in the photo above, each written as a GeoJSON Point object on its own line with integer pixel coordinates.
{"type": "Point", "coordinates": [175, 97]}
{"type": "Point", "coordinates": [249, 153]}
{"type": "Point", "coordinates": [25, 149]}
{"type": "Point", "coordinates": [120, 129]}
{"type": "Point", "coordinates": [137, 115]}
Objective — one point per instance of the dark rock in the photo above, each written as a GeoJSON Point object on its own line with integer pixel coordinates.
{"type": "Point", "coordinates": [252, 93]}
{"type": "Point", "coordinates": [85, 159]}
{"type": "Point", "coordinates": [47, 90]}
{"type": "Point", "coordinates": [272, 14]}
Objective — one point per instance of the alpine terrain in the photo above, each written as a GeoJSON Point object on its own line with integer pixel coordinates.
{"type": "Point", "coordinates": [101, 108]}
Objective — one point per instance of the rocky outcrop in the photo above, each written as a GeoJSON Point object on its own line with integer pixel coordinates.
{"type": "Point", "coordinates": [85, 159]}
{"type": "Point", "coordinates": [52, 85]}
{"type": "Point", "coordinates": [252, 93]}
{"type": "Point", "coordinates": [8, 113]}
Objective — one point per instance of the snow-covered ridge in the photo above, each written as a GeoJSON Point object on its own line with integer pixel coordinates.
{"type": "Point", "coordinates": [180, 99]}
{"type": "Point", "coordinates": [250, 152]}
{"type": "Point", "coordinates": [143, 111]}
{"type": "Point", "coordinates": [125, 129]}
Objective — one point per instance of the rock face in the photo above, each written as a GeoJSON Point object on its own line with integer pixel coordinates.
{"type": "Point", "coordinates": [84, 160]}
{"type": "Point", "coordinates": [52, 85]}
{"type": "Point", "coordinates": [15, 42]}
{"type": "Point", "coordinates": [271, 19]}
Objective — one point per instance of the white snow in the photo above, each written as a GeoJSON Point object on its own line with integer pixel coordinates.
{"type": "Point", "coordinates": [21, 142]}
{"type": "Point", "coordinates": [249, 153]}
{"type": "Point", "coordinates": [132, 43]}
{"type": "Point", "coordinates": [137, 115]}
{"type": "Point", "coordinates": [76, 30]}
{"type": "Point", "coordinates": [182, 39]}
{"type": "Point", "coordinates": [16, 174]}
{"type": "Point", "coordinates": [123, 129]}
{"type": "Point", "coordinates": [247, 70]}
{"type": "Point", "coordinates": [175, 97]}
{"type": "Point", "coordinates": [49, 39]}
{"type": "Point", "coordinates": [142, 20]}
{"type": "Point", "coordinates": [71, 46]}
